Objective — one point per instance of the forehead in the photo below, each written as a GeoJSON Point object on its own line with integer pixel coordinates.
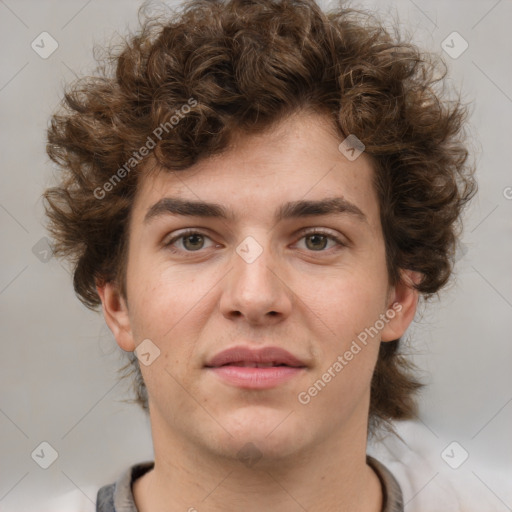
{"type": "Point", "coordinates": [257, 175]}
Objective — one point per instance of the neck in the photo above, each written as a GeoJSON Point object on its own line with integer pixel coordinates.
{"type": "Point", "coordinates": [331, 476]}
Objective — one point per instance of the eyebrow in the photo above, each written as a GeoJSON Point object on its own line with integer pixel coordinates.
{"type": "Point", "coordinates": [293, 209]}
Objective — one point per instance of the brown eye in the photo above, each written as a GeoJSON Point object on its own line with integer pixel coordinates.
{"type": "Point", "coordinates": [193, 242]}
{"type": "Point", "coordinates": [317, 242]}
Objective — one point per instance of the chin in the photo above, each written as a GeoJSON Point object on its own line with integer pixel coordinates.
{"type": "Point", "coordinates": [255, 434]}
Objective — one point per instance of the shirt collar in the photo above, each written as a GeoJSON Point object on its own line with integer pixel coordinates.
{"type": "Point", "coordinates": [124, 501]}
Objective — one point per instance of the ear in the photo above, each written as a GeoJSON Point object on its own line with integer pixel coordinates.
{"type": "Point", "coordinates": [115, 311]}
{"type": "Point", "coordinates": [402, 300]}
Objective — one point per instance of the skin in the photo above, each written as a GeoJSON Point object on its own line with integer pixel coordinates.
{"type": "Point", "coordinates": [306, 295]}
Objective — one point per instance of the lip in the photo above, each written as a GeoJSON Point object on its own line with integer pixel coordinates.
{"type": "Point", "coordinates": [264, 355]}
{"type": "Point", "coordinates": [256, 378]}
{"type": "Point", "coordinates": [223, 365]}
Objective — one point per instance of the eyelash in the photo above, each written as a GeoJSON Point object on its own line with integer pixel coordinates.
{"type": "Point", "coordinates": [190, 232]}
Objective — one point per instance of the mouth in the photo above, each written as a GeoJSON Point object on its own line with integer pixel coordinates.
{"type": "Point", "coordinates": [252, 364]}
{"type": "Point", "coordinates": [248, 368]}
{"type": "Point", "coordinates": [246, 356]}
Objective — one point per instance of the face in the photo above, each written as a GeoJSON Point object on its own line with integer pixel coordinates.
{"type": "Point", "coordinates": [309, 281]}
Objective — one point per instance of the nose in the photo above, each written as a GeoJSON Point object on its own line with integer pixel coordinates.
{"type": "Point", "coordinates": [256, 287]}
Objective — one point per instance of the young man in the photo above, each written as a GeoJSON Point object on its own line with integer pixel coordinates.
{"type": "Point", "coordinates": [257, 197]}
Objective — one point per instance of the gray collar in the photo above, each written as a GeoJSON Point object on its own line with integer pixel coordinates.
{"type": "Point", "coordinates": [118, 497]}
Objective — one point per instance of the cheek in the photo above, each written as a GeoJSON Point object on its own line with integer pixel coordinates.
{"type": "Point", "coordinates": [347, 301]}
{"type": "Point", "coordinates": [342, 313]}
{"type": "Point", "coordinates": [347, 348]}
{"type": "Point", "coordinates": [170, 308]}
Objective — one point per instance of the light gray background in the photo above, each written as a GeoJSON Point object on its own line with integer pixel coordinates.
{"type": "Point", "coordinates": [58, 360]}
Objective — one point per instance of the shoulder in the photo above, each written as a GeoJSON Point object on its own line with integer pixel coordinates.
{"type": "Point", "coordinates": [111, 497]}
{"type": "Point", "coordinates": [105, 498]}
{"type": "Point", "coordinates": [427, 482]}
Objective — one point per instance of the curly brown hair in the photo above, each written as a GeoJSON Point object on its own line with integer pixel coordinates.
{"type": "Point", "coordinates": [247, 64]}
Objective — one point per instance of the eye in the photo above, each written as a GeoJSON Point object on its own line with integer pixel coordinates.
{"type": "Point", "coordinates": [318, 240]}
{"type": "Point", "coordinates": [192, 241]}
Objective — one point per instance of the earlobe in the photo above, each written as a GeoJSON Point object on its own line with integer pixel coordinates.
{"type": "Point", "coordinates": [116, 315]}
{"type": "Point", "coordinates": [403, 301]}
